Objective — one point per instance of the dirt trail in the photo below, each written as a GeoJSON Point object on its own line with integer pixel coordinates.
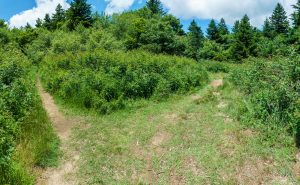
{"type": "Point", "coordinates": [62, 174]}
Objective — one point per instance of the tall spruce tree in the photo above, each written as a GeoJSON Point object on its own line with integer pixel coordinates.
{"type": "Point", "coordinates": [195, 39]}
{"type": "Point", "coordinates": [39, 23]}
{"type": "Point", "coordinates": [235, 27]}
{"type": "Point", "coordinates": [296, 15]}
{"type": "Point", "coordinates": [155, 7]}
{"type": "Point", "coordinates": [279, 20]}
{"type": "Point", "coordinates": [223, 32]}
{"type": "Point", "coordinates": [47, 22]}
{"type": "Point", "coordinates": [222, 27]}
{"type": "Point", "coordinates": [268, 29]}
{"type": "Point", "coordinates": [244, 44]}
{"type": "Point", "coordinates": [212, 31]}
{"type": "Point", "coordinates": [79, 13]}
{"type": "Point", "coordinates": [58, 17]}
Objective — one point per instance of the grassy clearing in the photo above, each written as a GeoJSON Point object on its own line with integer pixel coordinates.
{"type": "Point", "coordinates": [186, 140]}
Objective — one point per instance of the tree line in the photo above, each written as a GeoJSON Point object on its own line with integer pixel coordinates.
{"type": "Point", "coordinates": [151, 28]}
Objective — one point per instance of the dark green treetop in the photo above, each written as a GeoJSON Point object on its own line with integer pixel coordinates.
{"type": "Point", "coordinates": [58, 17]}
{"type": "Point", "coordinates": [195, 39]}
{"type": "Point", "coordinates": [212, 31]}
{"type": "Point", "coordinates": [47, 22]}
{"type": "Point", "coordinates": [79, 13]}
{"type": "Point", "coordinates": [222, 27]}
{"type": "Point", "coordinates": [268, 29]}
{"type": "Point", "coordinates": [244, 44]}
{"type": "Point", "coordinates": [155, 7]}
{"type": "Point", "coordinates": [296, 15]}
{"type": "Point", "coordinates": [279, 20]}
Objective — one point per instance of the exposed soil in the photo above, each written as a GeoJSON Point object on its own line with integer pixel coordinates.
{"type": "Point", "coordinates": [62, 174]}
{"type": "Point", "coordinates": [216, 83]}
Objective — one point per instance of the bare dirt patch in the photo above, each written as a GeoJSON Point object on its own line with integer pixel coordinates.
{"type": "Point", "coordinates": [190, 164]}
{"type": "Point", "coordinates": [216, 83]}
{"type": "Point", "coordinates": [176, 179]}
{"type": "Point", "coordinates": [63, 174]}
{"type": "Point", "coordinates": [254, 171]}
{"type": "Point", "coordinates": [159, 138]}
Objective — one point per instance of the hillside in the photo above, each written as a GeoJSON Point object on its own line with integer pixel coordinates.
{"type": "Point", "coordinates": [133, 98]}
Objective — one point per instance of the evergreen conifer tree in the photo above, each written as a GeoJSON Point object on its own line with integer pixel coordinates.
{"type": "Point", "coordinates": [222, 27]}
{"type": "Point", "coordinates": [212, 31]}
{"type": "Point", "coordinates": [155, 7]}
{"type": "Point", "coordinates": [244, 44]}
{"type": "Point", "coordinates": [279, 20]}
{"type": "Point", "coordinates": [39, 23]}
{"type": "Point", "coordinates": [296, 15]}
{"type": "Point", "coordinates": [195, 39]}
{"type": "Point", "coordinates": [268, 29]}
{"type": "Point", "coordinates": [47, 22]}
{"type": "Point", "coordinates": [58, 17]}
{"type": "Point", "coordinates": [79, 13]}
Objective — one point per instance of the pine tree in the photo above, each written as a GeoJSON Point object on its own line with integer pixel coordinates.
{"type": "Point", "coordinates": [79, 13]}
{"type": "Point", "coordinates": [212, 31]}
{"type": "Point", "coordinates": [223, 32]}
{"type": "Point", "coordinates": [47, 22]}
{"type": "Point", "coordinates": [58, 17]}
{"type": "Point", "coordinates": [38, 23]}
{"type": "Point", "coordinates": [195, 39]}
{"type": "Point", "coordinates": [236, 25]}
{"type": "Point", "coordinates": [244, 44]}
{"type": "Point", "coordinates": [2, 24]}
{"type": "Point", "coordinates": [279, 20]}
{"type": "Point", "coordinates": [28, 26]}
{"type": "Point", "coordinates": [268, 29]}
{"type": "Point", "coordinates": [222, 27]}
{"type": "Point", "coordinates": [296, 15]}
{"type": "Point", "coordinates": [155, 7]}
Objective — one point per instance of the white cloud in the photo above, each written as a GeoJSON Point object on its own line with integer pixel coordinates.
{"type": "Point", "coordinates": [30, 16]}
{"type": "Point", "coordinates": [231, 10]}
{"type": "Point", "coordinates": [118, 6]}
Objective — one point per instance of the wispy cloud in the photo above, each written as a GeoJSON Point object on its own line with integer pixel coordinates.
{"type": "Point", "coordinates": [118, 6]}
{"type": "Point", "coordinates": [30, 16]}
{"type": "Point", "coordinates": [231, 10]}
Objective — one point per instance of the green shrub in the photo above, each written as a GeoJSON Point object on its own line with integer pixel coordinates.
{"type": "Point", "coordinates": [26, 134]}
{"type": "Point", "coordinates": [216, 67]}
{"type": "Point", "coordinates": [273, 91]}
{"type": "Point", "coordinates": [105, 81]}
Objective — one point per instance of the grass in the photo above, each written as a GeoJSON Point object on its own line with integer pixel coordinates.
{"type": "Point", "coordinates": [181, 140]}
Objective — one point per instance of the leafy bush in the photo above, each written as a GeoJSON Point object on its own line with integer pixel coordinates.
{"type": "Point", "coordinates": [216, 67]}
{"type": "Point", "coordinates": [105, 80]}
{"type": "Point", "coordinates": [273, 91]}
{"type": "Point", "coordinates": [20, 112]}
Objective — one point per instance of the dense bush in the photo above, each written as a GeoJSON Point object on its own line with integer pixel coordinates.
{"type": "Point", "coordinates": [273, 88]}
{"type": "Point", "coordinates": [105, 80]}
{"type": "Point", "coordinates": [20, 111]}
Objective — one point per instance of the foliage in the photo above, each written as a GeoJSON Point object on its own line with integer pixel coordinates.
{"type": "Point", "coordinates": [79, 13]}
{"type": "Point", "coordinates": [20, 111]}
{"type": "Point", "coordinates": [279, 20]}
{"type": "Point", "coordinates": [104, 81]}
{"type": "Point", "coordinates": [155, 7]}
{"type": "Point", "coordinates": [195, 40]}
{"type": "Point", "coordinates": [244, 42]}
{"type": "Point", "coordinates": [273, 91]}
{"type": "Point", "coordinates": [296, 15]}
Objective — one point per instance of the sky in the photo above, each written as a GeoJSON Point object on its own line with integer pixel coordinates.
{"type": "Point", "coordinates": [18, 12]}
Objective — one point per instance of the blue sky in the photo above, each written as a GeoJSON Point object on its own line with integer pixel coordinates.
{"type": "Point", "coordinates": [19, 12]}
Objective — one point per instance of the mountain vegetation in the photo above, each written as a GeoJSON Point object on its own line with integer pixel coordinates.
{"type": "Point", "coordinates": [106, 63]}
